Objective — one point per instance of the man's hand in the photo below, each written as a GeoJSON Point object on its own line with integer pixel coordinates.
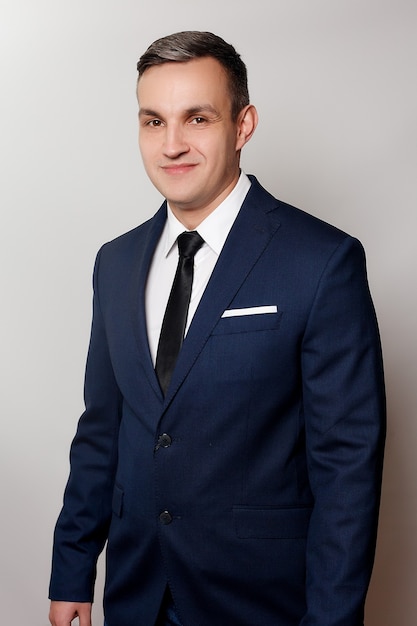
{"type": "Point", "coordinates": [62, 613]}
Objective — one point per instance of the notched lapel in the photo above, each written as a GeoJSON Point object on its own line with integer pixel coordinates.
{"type": "Point", "coordinates": [255, 226]}
{"type": "Point", "coordinates": [140, 274]}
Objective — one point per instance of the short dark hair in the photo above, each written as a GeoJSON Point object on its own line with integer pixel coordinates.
{"type": "Point", "coordinates": [187, 45]}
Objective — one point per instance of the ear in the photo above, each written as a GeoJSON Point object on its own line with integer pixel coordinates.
{"type": "Point", "coordinates": [247, 121]}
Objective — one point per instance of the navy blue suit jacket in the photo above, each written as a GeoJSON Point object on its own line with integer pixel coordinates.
{"type": "Point", "coordinates": [259, 506]}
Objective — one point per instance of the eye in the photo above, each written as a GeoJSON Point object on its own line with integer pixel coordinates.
{"type": "Point", "coordinates": [154, 123]}
{"type": "Point", "coordinates": [198, 120]}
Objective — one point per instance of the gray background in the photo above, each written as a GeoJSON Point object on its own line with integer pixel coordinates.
{"type": "Point", "coordinates": [335, 85]}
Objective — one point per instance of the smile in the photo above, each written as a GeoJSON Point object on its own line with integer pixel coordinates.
{"type": "Point", "coordinates": [182, 168]}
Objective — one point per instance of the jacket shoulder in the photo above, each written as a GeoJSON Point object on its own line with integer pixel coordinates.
{"type": "Point", "coordinates": [304, 226]}
{"type": "Point", "coordinates": [136, 238]}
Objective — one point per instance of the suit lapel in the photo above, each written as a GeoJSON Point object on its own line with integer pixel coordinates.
{"type": "Point", "coordinates": [137, 296]}
{"type": "Point", "coordinates": [252, 231]}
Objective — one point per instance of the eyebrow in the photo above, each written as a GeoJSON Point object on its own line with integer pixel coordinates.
{"type": "Point", "coordinates": [200, 108]}
{"type": "Point", "coordinates": [148, 113]}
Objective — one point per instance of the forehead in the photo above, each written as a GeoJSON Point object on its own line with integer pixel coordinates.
{"type": "Point", "coordinates": [202, 79]}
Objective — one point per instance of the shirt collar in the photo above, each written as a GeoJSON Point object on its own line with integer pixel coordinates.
{"type": "Point", "coordinates": [215, 228]}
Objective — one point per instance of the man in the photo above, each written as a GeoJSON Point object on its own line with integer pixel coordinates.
{"type": "Point", "coordinates": [237, 482]}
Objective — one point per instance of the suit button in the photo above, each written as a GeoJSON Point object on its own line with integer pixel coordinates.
{"type": "Point", "coordinates": [164, 441]}
{"type": "Point", "coordinates": [165, 518]}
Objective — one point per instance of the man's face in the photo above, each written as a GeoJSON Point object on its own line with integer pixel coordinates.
{"type": "Point", "coordinates": [189, 144]}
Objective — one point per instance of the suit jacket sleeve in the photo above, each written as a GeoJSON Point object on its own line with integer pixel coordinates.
{"type": "Point", "coordinates": [82, 526]}
{"type": "Point", "coordinates": [345, 425]}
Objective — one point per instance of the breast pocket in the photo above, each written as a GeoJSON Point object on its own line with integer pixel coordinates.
{"type": "Point", "coordinates": [248, 323]}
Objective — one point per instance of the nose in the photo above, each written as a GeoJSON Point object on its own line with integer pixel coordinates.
{"type": "Point", "coordinates": [175, 144]}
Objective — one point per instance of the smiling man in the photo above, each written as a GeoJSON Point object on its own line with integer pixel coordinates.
{"type": "Point", "coordinates": [190, 139]}
{"type": "Point", "coordinates": [231, 448]}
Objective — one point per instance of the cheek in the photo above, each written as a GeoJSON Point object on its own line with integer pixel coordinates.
{"type": "Point", "coordinates": [212, 143]}
{"type": "Point", "coordinates": [146, 151]}
{"type": "Point", "coordinates": [217, 153]}
{"type": "Point", "coordinates": [225, 148]}
{"type": "Point", "coordinates": [141, 144]}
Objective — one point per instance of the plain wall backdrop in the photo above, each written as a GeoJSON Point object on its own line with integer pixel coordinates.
{"type": "Point", "coordinates": [335, 85]}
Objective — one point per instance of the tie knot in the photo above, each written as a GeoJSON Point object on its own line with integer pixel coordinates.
{"type": "Point", "coordinates": [189, 243]}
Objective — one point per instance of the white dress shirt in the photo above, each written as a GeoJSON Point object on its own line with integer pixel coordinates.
{"type": "Point", "coordinates": [214, 230]}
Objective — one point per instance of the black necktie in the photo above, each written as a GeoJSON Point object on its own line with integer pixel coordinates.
{"type": "Point", "coordinates": [175, 318]}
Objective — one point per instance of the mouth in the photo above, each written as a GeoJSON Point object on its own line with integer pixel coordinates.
{"type": "Point", "coordinates": [178, 168]}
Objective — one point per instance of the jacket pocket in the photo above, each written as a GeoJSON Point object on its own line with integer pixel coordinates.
{"type": "Point", "coordinates": [248, 323]}
{"type": "Point", "coordinates": [117, 501]}
{"type": "Point", "coordinates": [271, 523]}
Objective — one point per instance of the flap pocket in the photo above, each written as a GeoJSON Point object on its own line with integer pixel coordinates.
{"type": "Point", "coordinates": [247, 323]}
{"type": "Point", "coordinates": [117, 502]}
{"type": "Point", "coordinates": [271, 523]}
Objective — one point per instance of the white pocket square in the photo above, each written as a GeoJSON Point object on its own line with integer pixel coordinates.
{"type": "Point", "coordinates": [251, 310]}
